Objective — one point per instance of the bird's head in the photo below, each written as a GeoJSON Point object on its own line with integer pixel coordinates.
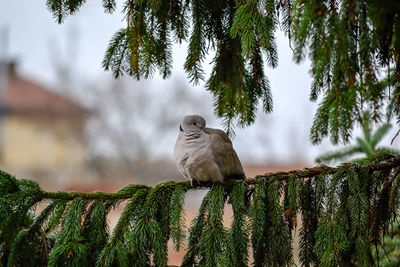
{"type": "Point", "coordinates": [192, 124]}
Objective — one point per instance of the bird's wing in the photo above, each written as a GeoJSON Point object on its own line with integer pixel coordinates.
{"type": "Point", "coordinates": [180, 156]}
{"type": "Point", "coordinates": [224, 155]}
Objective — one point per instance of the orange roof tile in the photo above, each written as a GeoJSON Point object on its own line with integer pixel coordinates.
{"type": "Point", "coordinates": [27, 97]}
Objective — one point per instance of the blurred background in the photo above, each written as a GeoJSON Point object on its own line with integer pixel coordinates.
{"type": "Point", "coordinates": [70, 125]}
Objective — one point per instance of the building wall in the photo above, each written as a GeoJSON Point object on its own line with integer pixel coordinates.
{"type": "Point", "coordinates": [43, 143]}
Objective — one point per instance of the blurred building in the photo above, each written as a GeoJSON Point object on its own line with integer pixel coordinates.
{"type": "Point", "coordinates": [41, 132]}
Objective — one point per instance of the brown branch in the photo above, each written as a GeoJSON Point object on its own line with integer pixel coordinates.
{"type": "Point", "coordinates": [302, 174]}
{"type": "Point", "coordinates": [95, 195]}
{"type": "Point", "coordinates": [312, 172]}
{"type": "Point", "coordinates": [391, 143]}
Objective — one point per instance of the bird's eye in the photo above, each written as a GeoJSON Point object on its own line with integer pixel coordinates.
{"type": "Point", "coordinates": [194, 123]}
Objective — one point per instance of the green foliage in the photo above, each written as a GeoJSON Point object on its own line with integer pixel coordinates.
{"type": "Point", "coordinates": [271, 240]}
{"type": "Point", "coordinates": [32, 238]}
{"type": "Point", "coordinates": [343, 40]}
{"type": "Point", "coordinates": [390, 255]}
{"type": "Point", "coordinates": [192, 257]}
{"type": "Point", "coordinates": [366, 145]}
{"type": "Point", "coordinates": [240, 227]}
{"type": "Point", "coordinates": [178, 218]}
{"type": "Point", "coordinates": [240, 42]}
{"type": "Point", "coordinates": [67, 249]}
{"type": "Point", "coordinates": [349, 43]}
{"type": "Point", "coordinates": [347, 215]}
{"type": "Point", "coordinates": [310, 208]}
{"type": "Point", "coordinates": [214, 237]}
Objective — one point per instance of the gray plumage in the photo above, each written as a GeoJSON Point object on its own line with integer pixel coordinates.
{"type": "Point", "coordinates": [205, 154]}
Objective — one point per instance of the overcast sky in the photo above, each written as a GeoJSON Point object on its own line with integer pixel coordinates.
{"type": "Point", "coordinates": [37, 41]}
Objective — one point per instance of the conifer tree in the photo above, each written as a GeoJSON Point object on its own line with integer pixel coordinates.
{"type": "Point", "coordinates": [349, 43]}
{"type": "Point", "coordinates": [389, 256]}
{"type": "Point", "coordinates": [346, 211]}
{"type": "Point", "coordinates": [366, 145]}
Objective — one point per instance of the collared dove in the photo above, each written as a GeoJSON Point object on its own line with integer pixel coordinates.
{"type": "Point", "coordinates": [205, 154]}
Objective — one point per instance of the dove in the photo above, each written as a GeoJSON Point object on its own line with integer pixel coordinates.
{"type": "Point", "coordinates": [205, 154]}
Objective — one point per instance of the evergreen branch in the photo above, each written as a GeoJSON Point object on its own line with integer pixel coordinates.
{"type": "Point", "coordinates": [292, 194]}
{"type": "Point", "coordinates": [109, 252]}
{"type": "Point", "coordinates": [239, 228]}
{"type": "Point", "coordinates": [25, 237]}
{"type": "Point", "coordinates": [257, 218]}
{"type": "Point", "coordinates": [309, 215]}
{"type": "Point", "coordinates": [214, 235]}
{"type": "Point", "coordinates": [178, 218]}
{"type": "Point", "coordinates": [342, 39]}
{"type": "Point", "coordinates": [359, 213]}
{"type": "Point", "coordinates": [195, 231]}
{"type": "Point", "coordinates": [365, 147]}
{"type": "Point", "coordinates": [390, 163]}
{"type": "Point", "coordinates": [69, 247]}
{"type": "Point", "coordinates": [345, 211]}
{"type": "Point", "coordinates": [148, 235]}
{"type": "Point", "coordinates": [366, 127]}
{"type": "Point", "coordinates": [95, 227]}
{"type": "Point", "coordinates": [380, 133]}
{"type": "Point", "coordinates": [109, 6]}
{"type": "Point", "coordinates": [279, 251]}
{"type": "Point", "coordinates": [338, 154]}
{"type": "Point", "coordinates": [122, 194]}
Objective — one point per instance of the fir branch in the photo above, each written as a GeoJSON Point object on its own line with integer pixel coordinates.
{"type": "Point", "coordinates": [178, 217]}
{"type": "Point", "coordinates": [25, 238]}
{"type": "Point", "coordinates": [147, 231]}
{"type": "Point", "coordinates": [258, 217]}
{"type": "Point", "coordinates": [338, 154]}
{"type": "Point", "coordinates": [109, 253]}
{"type": "Point", "coordinates": [95, 228]}
{"type": "Point", "coordinates": [195, 230]}
{"type": "Point", "coordinates": [214, 236]}
{"type": "Point", "coordinates": [342, 39]}
{"type": "Point", "coordinates": [278, 242]}
{"type": "Point", "coordinates": [292, 193]}
{"type": "Point", "coordinates": [345, 211]}
{"type": "Point", "coordinates": [389, 163]}
{"type": "Point", "coordinates": [56, 7]}
{"type": "Point", "coordinates": [115, 54]}
{"type": "Point", "coordinates": [379, 133]}
{"type": "Point", "coordinates": [359, 204]}
{"type": "Point", "coordinates": [109, 5]}
{"type": "Point", "coordinates": [69, 248]}
{"type": "Point", "coordinates": [239, 229]}
{"type": "Point", "coordinates": [309, 216]}
{"type": "Point", "coordinates": [124, 193]}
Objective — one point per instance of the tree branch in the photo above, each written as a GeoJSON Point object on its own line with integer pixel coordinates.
{"type": "Point", "coordinates": [305, 173]}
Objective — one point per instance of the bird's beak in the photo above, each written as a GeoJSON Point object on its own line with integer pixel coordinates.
{"type": "Point", "coordinates": [180, 128]}
{"type": "Point", "coordinates": [206, 131]}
